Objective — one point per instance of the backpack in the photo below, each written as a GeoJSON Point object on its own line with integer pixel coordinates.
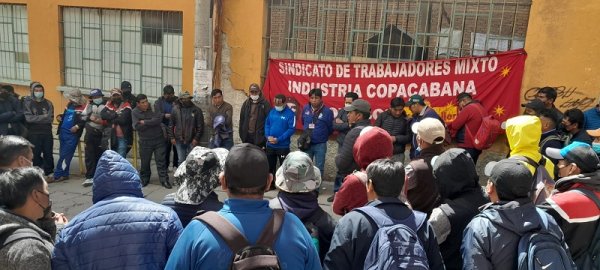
{"type": "Point", "coordinates": [396, 244]}
{"type": "Point", "coordinates": [589, 259]}
{"type": "Point", "coordinates": [487, 133]}
{"type": "Point", "coordinates": [542, 249]}
{"type": "Point", "coordinates": [543, 183]}
{"type": "Point", "coordinates": [17, 234]}
{"type": "Point", "coordinates": [245, 255]}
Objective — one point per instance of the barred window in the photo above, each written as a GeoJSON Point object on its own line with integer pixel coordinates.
{"type": "Point", "coordinates": [382, 30]}
{"type": "Point", "coordinates": [14, 44]}
{"type": "Point", "coordinates": [103, 47]}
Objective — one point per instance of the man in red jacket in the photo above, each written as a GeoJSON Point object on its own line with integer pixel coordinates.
{"type": "Point", "coordinates": [467, 123]}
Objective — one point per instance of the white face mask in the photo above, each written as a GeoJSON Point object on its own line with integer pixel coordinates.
{"type": "Point", "coordinates": [279, 108]}
{"type": "Point", "coordinates": [254, 97]}
{"type": "Point", "coordinates": [38, 94]}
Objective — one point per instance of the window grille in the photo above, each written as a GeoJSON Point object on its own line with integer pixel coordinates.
{"type": "Point", "coordinates": [384, 30]}
{"type": "Point", "coordinates": [103, 47]}
{"type": "Point", "coordinates": [14, 44]}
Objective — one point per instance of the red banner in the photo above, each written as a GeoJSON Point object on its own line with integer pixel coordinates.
{"type": "Point", "coordinates": [495, 80]}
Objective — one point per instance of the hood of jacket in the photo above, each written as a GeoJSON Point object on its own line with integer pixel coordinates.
{"type": "Point", "coordinates": [509, 215]}
{"type": "Point", "coordinates": [588, 179]}
{"type": "Point", "coordinates": [115, 177]}
{"type": "Point", "coordinates": [303, 205]}
{"type": "Point", "coordinates": [524, 133]}
{"type": "Point", "coordinates": [10, 222]}
{"type": "Point", "coordinates": [455, 173]}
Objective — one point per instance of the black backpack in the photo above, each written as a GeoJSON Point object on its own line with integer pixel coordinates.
{"type": "Point", "coordinates": [245, 255]}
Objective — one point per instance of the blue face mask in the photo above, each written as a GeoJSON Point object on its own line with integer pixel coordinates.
{"type": "Point", "coordinates": [98, 101]}
{"type": "Point", "coordinates": [38, 94]}
{"type": "Point", "coordinates": [596, 147]}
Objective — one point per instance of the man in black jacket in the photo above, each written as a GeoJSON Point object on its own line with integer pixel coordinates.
{"type": "Point", "coordinates": [152, 137]}
{"type": "Point", "coordinates": [11, 112]}
{"type": "Point", "coordinates": [186, 126]}
{"type": "Point", "coordinates": [252, 117]}
{"type": "Point", "coordinates": [39, 115]}
{"type": "Point", "coordinates": [164, 105]}
{"type": "Point", "coordinates": [394, 121]}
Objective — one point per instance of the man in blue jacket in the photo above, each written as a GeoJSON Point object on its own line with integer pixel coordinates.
{"type": "Point", "coordinates": [245, 179]}
{"type": "Point", "coordinates": [279, 128]}
{"type": "Point", "coordinates": [122, 230]}
{"type": "Point", "coordinates": [317, 118]}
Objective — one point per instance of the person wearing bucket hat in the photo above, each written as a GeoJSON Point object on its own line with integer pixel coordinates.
{"type": "Point", "coordinates": [39, 115]}
{"type": "Point", "coordinates": [457, 179]}
{"type": "Point", "coordinates": [572, 204]}
{"type": "Point", "coordinates": [117, 113]}
{"type": "Point", "coordinates": [510, 214]}
{"type": "Point", "coordinates": [70, 128]}
{"type": "Point", "coordinates": [420, 111]}
{"type": "Point", "coordinates": [245, 179]}
{"type": "Point", "coordinates": [253, 113]}
{"type": "Point", "coordinates": [94, 139]}
{"type": "Point", "coordinates": [197, 177]}
{"type": "Point", "coordinates": [297, 179]}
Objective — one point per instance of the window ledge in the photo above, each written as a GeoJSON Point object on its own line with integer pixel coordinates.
{"type": "Point", "coordinates": [15, 82]}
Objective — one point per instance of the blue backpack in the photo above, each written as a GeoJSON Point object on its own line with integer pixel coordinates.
{"type": "Point", "coordinates": [543, 249]}
{"type": "Point", "coordinates": [396, 244]}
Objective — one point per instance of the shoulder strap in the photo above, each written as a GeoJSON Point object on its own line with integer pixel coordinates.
{"type": "Point", "coordinates": [547, 139]}
{"type": "Point", "coordinates": [376, 215]}
{"type": "Point", "coordinates": [19, 234]}
{"type": "Point", "coordinates": [230, 234]}
{"type": "Point", "coordinates": [528, 160]}
{"type": "Point", "coordinates": [271, 231]}
{"type": "Point", "coordinates": [589, 194]}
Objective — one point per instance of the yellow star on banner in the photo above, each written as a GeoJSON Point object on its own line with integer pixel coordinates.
{"type": "Point", "coordinates": [499, 110]}
{"type": "Point", "coordinates": [504, 72]}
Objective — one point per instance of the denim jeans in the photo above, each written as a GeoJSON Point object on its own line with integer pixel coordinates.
{"type": "Point", "coordinates": [122, 146]}
{"type": "Point", "coordinates": [317, 153]}
{"type": "Point", "coordinates": [183, 149]}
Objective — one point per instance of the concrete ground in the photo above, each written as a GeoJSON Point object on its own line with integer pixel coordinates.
{"type": "Point", "coordinates": [71, 198]}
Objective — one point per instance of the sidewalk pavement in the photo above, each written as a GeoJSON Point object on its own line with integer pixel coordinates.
{"type": "Point", "coordinates": [71, 198]}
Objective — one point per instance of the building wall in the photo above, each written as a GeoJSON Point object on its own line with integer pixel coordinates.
{"type": "Point", "coordinates": [244, 24]}
{"type": "Point", "coordinates": [45, 37]}
{"type": "Point", "coordinates": [562, 45]}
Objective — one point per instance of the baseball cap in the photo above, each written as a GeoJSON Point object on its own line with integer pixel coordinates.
{"type": "Point", "coordinates": [593, 132]}
{"type": "Point", "coordinates": [360, 105]}
{"type": "Point", "coordinates": [534, 104]}
{"type": "Point", "coordinates": [579, 153]}
{"type": "Point", "coordinates": [125, 85]}
{"type": "Point", "coordinates": [96, 93]}
{"type": "Point", "coordinates": [246, 166]}
{"type": "Point", "coordinates": [430, 130]}
{"type": "Point", "coordinates": [511, 177]}
{"type": "Point", "coordinates": [415, 99]}
{"type": "Point", "coordinates": [297, 174]}
{"type": "Point", "coordinates": [116, 91]}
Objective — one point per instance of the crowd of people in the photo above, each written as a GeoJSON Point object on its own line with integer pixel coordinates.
{"type": "Point", "coordinates": [424, 211]}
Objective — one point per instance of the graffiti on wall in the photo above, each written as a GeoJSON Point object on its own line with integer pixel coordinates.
{"type": "Point", "coordinates": [568, 97]}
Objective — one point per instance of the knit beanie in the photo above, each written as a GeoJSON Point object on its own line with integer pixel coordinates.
{"type": "Point", "coordinates": [373, 143]}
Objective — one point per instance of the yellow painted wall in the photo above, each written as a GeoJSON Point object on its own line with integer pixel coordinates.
{"type": "Point", "coordinates": [563, 41]}
{"type": "Point", "coordinates": [244, 23]}
{"type": "Point", "coordinates": [44, 38]}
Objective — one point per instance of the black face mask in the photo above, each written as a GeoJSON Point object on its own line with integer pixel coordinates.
{"type": "Point", "coordinates": [170, 99]}
{"type": "Point", "coordinates": [117, 101]}
{"type": "Point", "coordinates": [48, 208]}
{"type": "Point", "coordinates": [187, 103]}
{"type": "Point", "coordinates": [126, 91]}
{"type": "Point", "coordinates": [4, 95]}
